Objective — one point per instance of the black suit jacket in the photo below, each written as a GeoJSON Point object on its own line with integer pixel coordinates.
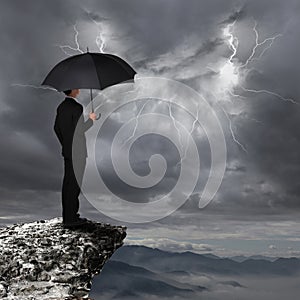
{"type": "Point", "coordinates": [68, 114]}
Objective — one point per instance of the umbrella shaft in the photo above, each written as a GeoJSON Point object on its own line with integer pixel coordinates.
{"type": "Point", "coordinates": [91, 93]}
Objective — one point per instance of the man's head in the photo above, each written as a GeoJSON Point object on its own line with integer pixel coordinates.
{"type": "Point", "coordinates": [72, 93]}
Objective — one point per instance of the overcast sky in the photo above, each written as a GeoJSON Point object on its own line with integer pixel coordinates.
{"type": "Point", "coordinates": [256, 209]}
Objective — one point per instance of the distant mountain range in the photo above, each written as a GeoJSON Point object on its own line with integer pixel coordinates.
{"type": "Point", "coordinates": [138, 272]}
{"type": "Point", "coordinates": [163, 261]}
{"type": "Point", "coordinates": [241, 258]}
{"type": "Point", "coordinates": [132, 281]}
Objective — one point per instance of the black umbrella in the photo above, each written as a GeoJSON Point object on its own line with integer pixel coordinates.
{"type": "Point", "coordinates": [89, 71]}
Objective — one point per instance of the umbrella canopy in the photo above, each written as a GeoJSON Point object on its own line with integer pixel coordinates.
{"type": "Point", "coordinates": [89, 71]}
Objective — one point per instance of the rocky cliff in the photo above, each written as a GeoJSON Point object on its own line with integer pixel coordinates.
{"type": "Point", "coordinates": [43, 260]}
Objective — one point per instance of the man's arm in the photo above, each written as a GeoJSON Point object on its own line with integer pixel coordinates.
{"type": "Point", "coordinates": [78, 118]}
{"type": "Point", "coordinates": [57, 130]}
{"type": "Point", "coordinates": [88, 124]}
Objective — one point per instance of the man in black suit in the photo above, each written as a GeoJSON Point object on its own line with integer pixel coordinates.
{"type": "Point", "coordinates": [69, 115]}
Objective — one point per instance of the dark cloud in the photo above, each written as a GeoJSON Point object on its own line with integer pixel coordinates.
{"type": "Point", "coordinates": [235, 16]}
{"type": "Point", "coordinates": [95, 16]}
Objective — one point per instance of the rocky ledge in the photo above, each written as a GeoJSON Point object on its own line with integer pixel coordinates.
{"type": "Point", "coordinates": [43, 260]}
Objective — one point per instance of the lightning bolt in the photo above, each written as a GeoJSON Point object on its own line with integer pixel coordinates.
{"type": "Point", "coordinates": [231, 130]}
{"type": "Point", "coordinates": [257, 44]}
{"type": "Point", "coordinates": [251, 58]}
{"type": "Point", "coordinates": [233, 44]}
{"type": "Point", "coordinates": [231, 41]}
{"type": "Point", "coordinates": [99, 38]}
{"type": "Point", "coordinates": [189, 135]}
{"type": "Point", "coordinates": [255, 120]}
{"type": "Point", "coordinates": [270, 93]}
{"type": "Point", "coordinates": [230, 125]}
{"type": "Point", "coordinates": [195, 121]}
{"type": "Point", "coordinates": [231, 93]}
{"type": "Point", "coordinates": [100, 42]}
{"type": "Point", "coordinates": [174, 123]}
{"type": "Point", "coordinates": [33, 86]}
{"type": "Point", "coordinates": [63, 47]}
{"type": "Point", "coordinates": [136, 122]}
{"type": "Point", "coordinates": [241, 70]}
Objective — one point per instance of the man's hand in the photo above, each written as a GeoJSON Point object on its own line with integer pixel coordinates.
{"type": "Point", "coordinates": [92, 116]}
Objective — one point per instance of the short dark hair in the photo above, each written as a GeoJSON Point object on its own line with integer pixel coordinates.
{"type": "Point", "coordinates": [68, 92]}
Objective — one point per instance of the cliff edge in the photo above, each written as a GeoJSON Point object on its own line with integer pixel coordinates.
{"type": "Point", "coordinates": [43, 260]}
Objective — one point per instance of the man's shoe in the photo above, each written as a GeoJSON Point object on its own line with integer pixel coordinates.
{"type": "Point", "coordinates": [79, 218]}
{"type": "Point", "coordinates": [76, 223]}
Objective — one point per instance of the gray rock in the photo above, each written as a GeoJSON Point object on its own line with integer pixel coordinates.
{"type": "Point", "coordinates": [3, 291]}
{"type": "Point", "coordinates": [42, 260]}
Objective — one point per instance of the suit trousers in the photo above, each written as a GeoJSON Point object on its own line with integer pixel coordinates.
{"type": "Point", "coordinates": [71, 187]}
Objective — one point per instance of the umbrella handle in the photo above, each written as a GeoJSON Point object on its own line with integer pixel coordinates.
{"type": "Point", "coordinates": [91, 93]}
